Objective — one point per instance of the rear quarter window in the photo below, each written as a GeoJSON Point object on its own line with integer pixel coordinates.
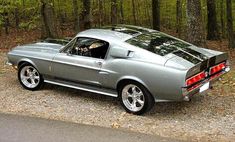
{"type": "Point", "coordinates": [157, 43]}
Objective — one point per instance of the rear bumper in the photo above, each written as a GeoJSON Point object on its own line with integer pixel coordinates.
{"type": "Point", "coordinates": [189, 92]}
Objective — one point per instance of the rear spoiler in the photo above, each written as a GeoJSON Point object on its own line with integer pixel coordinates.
{"type": "Point", "coordinates": [206, 64]}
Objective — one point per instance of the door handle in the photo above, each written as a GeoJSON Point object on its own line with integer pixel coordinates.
{"type": "Point", "coordinates": [99, 62]}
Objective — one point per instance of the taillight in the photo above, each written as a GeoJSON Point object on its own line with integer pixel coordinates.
{"type": "Point", "coordinates": [196, 78]}
{"type": "Point", "coordinates": [217, 68]}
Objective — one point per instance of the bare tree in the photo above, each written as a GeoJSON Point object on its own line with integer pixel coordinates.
{"type": "Point", "coordinates": [195, 32]}
{"type": "Point", "coordinates": [212, 26]}
{"type": "Point", "coordinates": [230, 24]}
{"type": "Point", "coordinates": [156, 14]}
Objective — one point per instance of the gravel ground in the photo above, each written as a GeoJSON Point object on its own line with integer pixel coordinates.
{"type": "Point", "coordinates": [208, 117]}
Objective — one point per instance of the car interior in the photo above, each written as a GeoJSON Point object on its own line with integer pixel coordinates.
{"type": "Point", "coordinates": [89, 47]}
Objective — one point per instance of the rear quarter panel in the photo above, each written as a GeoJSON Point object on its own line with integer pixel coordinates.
{"type": "Point", "coordinates": [163, 83]}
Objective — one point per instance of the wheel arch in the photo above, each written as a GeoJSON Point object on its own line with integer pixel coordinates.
{"type": "Point", "coordinates": [134, 79]}
{"type": "Point", "coordinates": [26, 60]}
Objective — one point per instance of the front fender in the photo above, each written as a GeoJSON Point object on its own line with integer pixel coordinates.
{"type": "Point", "coordinates": [28, 61]}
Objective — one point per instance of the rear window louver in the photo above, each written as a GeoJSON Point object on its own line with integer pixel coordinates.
{"type": "Point", "coordinates": [187, 57]}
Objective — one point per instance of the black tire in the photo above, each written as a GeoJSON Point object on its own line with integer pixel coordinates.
{"type": "Point", "coordinates": [38, 75]}
{"type": "Point", "coordinates": [148, 98]}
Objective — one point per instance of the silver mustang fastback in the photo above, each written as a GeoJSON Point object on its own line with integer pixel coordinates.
{"type": "Point", "coordinates": [138, 65]}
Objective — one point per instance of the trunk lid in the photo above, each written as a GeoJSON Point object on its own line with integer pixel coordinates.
{"type": "Point", "coordinates": [196, 60]}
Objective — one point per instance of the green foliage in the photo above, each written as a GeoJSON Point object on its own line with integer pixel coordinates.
{"type": "Point", "coordinates": [28, 25]}
{"type": "Point", "coordinates": [29, 12]}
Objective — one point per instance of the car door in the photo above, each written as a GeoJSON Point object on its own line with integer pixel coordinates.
{"type": "Point", "coordinates": [69, 65]}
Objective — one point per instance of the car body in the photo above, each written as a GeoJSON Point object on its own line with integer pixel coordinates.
{"type": "Point", "coordinates": [101, 60]}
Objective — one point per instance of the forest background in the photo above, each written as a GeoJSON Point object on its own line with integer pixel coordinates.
{"type": "Point", "coordinates": [196, 21]}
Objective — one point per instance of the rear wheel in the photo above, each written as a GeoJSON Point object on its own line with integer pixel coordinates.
{"type": "Point", "coordinates": [29, 77]}
{"type": "Point", "coordinates": [135, 98]}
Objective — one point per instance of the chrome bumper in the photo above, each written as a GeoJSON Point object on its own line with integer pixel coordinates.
{"type": "Point", "coordinates": [8, 63]}
{"type": "Point", "coordinates": [189, 92]}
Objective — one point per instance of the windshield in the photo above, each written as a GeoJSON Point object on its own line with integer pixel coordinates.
{"type": "Point", "coordinates": [157, 43]}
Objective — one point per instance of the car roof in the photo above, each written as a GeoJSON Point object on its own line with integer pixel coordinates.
{"type": "Point", "coordinates": [104, 34]}
{"type": "Point", "coordinates": [115, 32]}
{"type": "Point", "coordinates": [129, 29]}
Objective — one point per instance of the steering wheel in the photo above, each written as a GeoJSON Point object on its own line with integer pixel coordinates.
{"type": "Point", "coordinates": [84, 50]}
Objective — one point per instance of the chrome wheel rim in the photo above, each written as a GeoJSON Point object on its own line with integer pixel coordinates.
{"type": "Point", "coordinates": [133, 97]}
{"type": "Point", "coordinates": [29, 76]}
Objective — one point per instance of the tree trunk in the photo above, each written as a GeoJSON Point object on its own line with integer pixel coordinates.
{"type": "Point", "coordinates": [106, 20]}
{"type": "Point", "coordinates": [179, 17]}
{"type": "Point", "coordinates": [60, 14]}
{"type": "Point", "coordinates": [230, 24]}
{"type": "Point", "coordinates": [76, 16]}
{"type": "Point", "coordinates": [195, 32]}
{"type": "Point", "coordinates": [133, 12]}
{"type": "Point", "coordinates": [222, 18]}
{"type": "Point", "coordinates": [85, 15]}
{"type": "Point", "coordinates": [156, 14]}
{"type": "Point", "coordinates": [121, 12]}
{"type": "Point", "coordinates": [138, 12]}
{"type": "Point", "coordinates": [6, 22]}
{"type": "Point", "coordinates": [148, 13]}
{"type": "Point", "coordinates": [17, 19]}
{"type": "Point", "coordinates": [212, 26]}
{"type": "Point", "coordinates": [114, 12]}
{"type": "Point", "coordinates": [49, 28]}
{"type": "Point", "coordinates": [101, 19]}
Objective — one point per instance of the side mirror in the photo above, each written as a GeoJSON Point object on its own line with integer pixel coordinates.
{"type": "Point", "coordinates": [69, 53]}
{"type": "Point", "coordinates": [120, 52]}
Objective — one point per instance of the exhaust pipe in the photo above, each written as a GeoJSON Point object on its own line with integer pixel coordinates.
{"type": "Point", "coordinates": [187, 99]}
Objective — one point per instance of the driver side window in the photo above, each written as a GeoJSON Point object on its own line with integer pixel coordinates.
{"type": "Point", "coordinates": [88, 47]}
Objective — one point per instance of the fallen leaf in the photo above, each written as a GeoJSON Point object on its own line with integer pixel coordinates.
{"type": "Point", "coordinates": [115, 125]}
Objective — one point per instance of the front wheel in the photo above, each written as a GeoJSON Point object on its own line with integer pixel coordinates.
{"type": "Point", "coordinates": [135, 98]}
{"type": "Point", "coordinates": [29, 77]}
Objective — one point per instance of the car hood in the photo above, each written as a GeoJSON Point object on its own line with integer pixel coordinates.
{"type": "Point", "coordinates": [40, 47]}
